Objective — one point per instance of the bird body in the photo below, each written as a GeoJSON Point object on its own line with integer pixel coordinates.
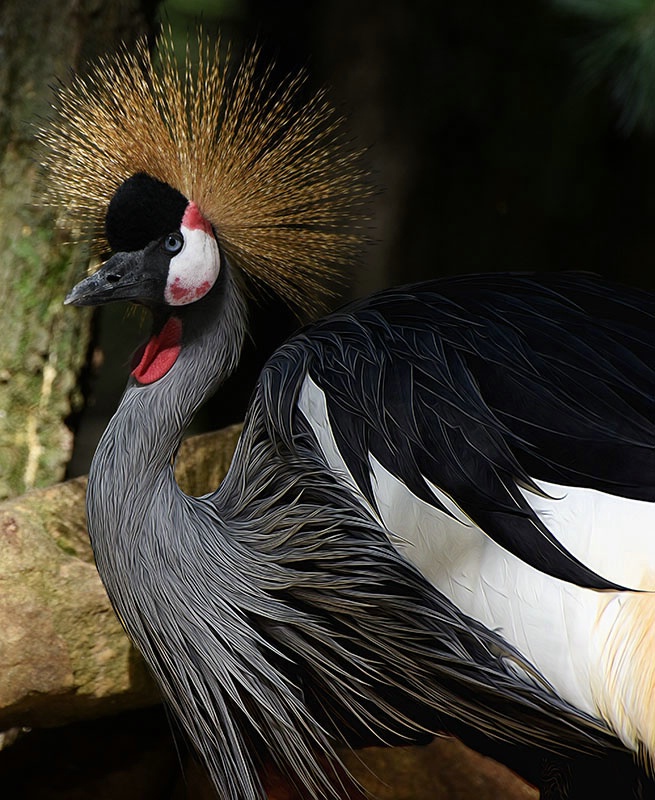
{"type": "Point", "coordinates": [438, 515]}
{"type": "Point", "coordinates": [568, 630]}
{"type": "Point", "coordinates": [592, 646]}
{"type": "Point", "coordinates": [291, 522]}
{"type": "Point", "coordinates": [441, 532]}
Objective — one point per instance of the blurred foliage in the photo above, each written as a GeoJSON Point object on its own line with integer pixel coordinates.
{"type": "Point", "coordinates": [207, 9]}
{"type": "Point", "coordinates": [618, 48]}
{"type": "Point", "coordinates": [184, 15]}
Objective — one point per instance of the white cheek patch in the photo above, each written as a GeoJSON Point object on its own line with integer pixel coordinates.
{"type": "Point", "coordinates": [193, 271]}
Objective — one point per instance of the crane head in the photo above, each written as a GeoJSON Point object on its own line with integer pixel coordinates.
{"type": "Point", "coordinates": [165, 250]}
{"type": "Point", "coordinates": [273, 175]}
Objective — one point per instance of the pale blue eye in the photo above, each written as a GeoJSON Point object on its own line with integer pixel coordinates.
{"type": "Point", "coordinates": [173, 243]}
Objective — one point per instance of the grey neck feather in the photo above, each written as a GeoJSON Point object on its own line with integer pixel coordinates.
{"type": "Point", "coordinates": [182, 582]}
{"type": "Point", "coordinates": [132, 465]}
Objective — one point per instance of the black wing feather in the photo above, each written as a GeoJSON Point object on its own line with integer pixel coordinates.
{"type": "Point", "coordinates": [484, 383]}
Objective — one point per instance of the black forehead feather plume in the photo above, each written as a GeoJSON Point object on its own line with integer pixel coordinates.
{"type": "Point", "coordinates": [142, 210]}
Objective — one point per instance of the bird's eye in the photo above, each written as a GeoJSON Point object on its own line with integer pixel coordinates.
{"type": "Point", "coordinates": [173, 243]}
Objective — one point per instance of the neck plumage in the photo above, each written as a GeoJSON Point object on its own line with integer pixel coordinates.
{"type": "Point", "coordinates": [131, 475]}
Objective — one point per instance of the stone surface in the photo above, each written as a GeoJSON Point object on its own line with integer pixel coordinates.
{"type": "Point", "coordinates": [445, 769]}
{"type": "Point", "coordinates": [63, 654]}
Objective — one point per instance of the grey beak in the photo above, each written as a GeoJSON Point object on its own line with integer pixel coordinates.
{"type": "Point", "coordinates": [120, 278]}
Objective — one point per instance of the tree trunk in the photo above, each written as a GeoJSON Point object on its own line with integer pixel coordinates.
{"type": "Point", "coordinates": [44, 348]}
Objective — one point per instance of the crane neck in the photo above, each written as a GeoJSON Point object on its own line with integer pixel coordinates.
{"type": "Point", "coordinates": [145, 432]}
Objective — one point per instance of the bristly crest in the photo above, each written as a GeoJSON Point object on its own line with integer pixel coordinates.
{"type": "Point", "coordinates": [282, 186]}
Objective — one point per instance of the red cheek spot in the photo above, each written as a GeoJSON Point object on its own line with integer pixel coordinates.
{"type": "Point", "coordinates": [178, 291]}
{"type": "Point", "coordinates": [187, 294]}
{"type": "Point", "coordinates": [194, 220]}
{"type": "Point", "coordinates": [154, 359]}
{"type": "Point", "coordinates": [202, 290]}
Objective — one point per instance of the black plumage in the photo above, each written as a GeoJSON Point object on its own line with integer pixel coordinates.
{"type": "Point", "coordinates": [486, 383]}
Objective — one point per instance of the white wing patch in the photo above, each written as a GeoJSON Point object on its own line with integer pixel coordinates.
{"type": "Point", "coordinates": [529, 609]}
{"type": "Point", "coordinates": [597, 649]}
{"type": "Point", "coordinates": [311, 402]}
{"type": "Point", "coordinates": [614, 536]}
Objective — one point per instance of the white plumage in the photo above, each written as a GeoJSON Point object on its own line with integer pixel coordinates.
{"type": "Point", "coordinates": [593, 647]}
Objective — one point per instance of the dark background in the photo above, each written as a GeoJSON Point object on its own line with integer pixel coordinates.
{"type": "Point", "coordinates": [492, 151]}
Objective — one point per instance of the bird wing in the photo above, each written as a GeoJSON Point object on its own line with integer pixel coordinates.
{"type": "Point", "coordinates": [471, 391]}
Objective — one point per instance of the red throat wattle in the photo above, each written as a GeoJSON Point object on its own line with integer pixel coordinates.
{"type": "Point", "coordinates": [153, 360]}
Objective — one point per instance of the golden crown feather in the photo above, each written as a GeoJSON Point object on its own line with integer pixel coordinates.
{"type": "Point", "coordinates": [278, 179]}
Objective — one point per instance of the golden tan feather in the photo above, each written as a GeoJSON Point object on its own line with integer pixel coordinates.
{"type": "Point", "coordinates": [624, 639]}
{"type": "Point", "coordinates": [277, 178]}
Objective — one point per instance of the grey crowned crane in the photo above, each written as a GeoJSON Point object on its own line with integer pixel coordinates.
{"type": "Point", "coordinates": [440, 514]}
